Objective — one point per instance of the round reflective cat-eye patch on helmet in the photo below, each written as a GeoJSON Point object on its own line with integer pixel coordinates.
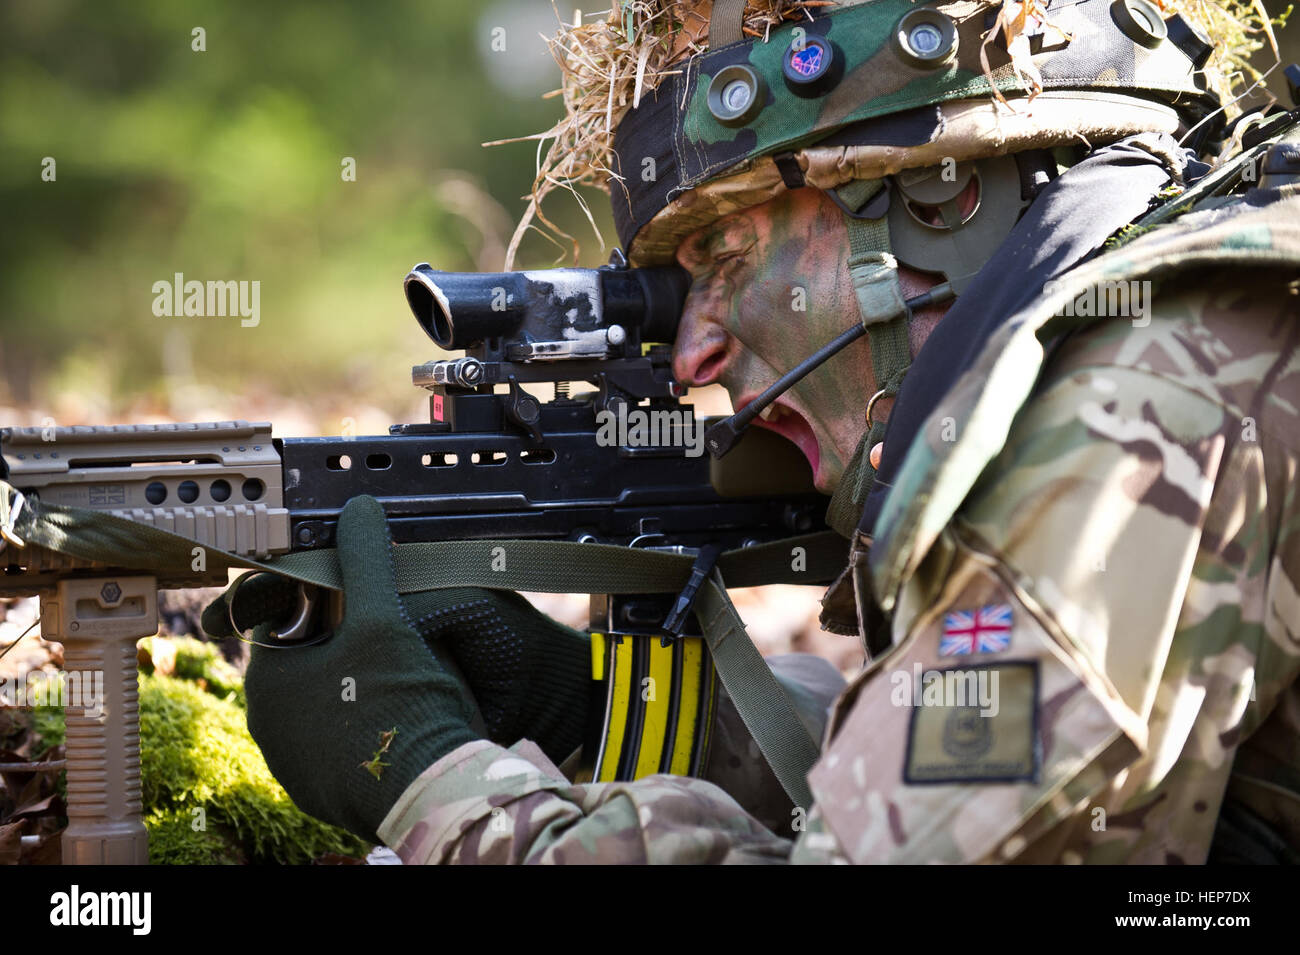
{"type": "Point", "coordinates": [811, 65]}
{"type": "Point", "coordinates": [736, 95]}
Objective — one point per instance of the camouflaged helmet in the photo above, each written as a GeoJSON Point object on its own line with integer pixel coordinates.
{"type": "Point", "coordinates": [827, 94]}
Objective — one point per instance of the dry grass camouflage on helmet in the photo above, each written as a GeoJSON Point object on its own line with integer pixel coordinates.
{"type": "Point", "coordinates": [614, 66]}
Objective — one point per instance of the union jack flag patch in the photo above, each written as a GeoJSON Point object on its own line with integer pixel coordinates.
{"type": "Point", "coordinates": [986, 630]}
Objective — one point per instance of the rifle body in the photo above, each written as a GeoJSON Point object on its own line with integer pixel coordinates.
{"type": "Point", "coordinates": [233, 486]}
{"type": "Point", "coordinates": [493, 462]}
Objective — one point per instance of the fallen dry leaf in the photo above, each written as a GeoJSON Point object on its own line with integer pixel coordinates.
{"type": "Point", "coordinates": [1018, 23]}
{"type": "Point", "coordinates": [48, 851]}
{"type": "Point", "coordinates": [11, 842]}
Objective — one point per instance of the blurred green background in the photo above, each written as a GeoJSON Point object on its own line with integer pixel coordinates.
{"type": "Point", "coordinates": [226, 164]}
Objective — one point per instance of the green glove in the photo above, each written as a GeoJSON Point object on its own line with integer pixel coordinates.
{"type": "Point", "coordinates": [325, 715]}
{"type": "Point", "coordinates": [530, 676]}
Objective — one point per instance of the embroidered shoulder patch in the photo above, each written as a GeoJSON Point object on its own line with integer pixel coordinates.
{"type": "Point", "coordinates": [986, 630]}
{"type": "Point", "coordinates": [975, 724]}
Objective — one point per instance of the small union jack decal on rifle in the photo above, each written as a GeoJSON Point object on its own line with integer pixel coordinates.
{"type": "Point", "coordinates": [986, 630]}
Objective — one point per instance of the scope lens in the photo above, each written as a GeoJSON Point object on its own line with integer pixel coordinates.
{"type": "Point", "coordinates": [426, 304]}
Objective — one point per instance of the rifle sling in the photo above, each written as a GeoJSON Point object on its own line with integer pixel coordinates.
{"type": "Point", "coordinates": [533, 565]}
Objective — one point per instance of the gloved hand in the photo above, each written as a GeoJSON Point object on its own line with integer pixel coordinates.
{"type": "Point", "coordinates": [325, 715]}
{"type": "Point", "coordinates": [530, 675]}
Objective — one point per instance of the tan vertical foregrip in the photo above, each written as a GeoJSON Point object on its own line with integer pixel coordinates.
{"type": "Point", "coordinates": [98, 620]}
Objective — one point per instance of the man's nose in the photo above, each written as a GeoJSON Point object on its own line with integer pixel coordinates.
{"type": "Point", "coordinates": [701, 350]}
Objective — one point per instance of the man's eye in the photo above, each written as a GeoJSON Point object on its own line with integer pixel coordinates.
{"type": "Point", "coordinates": [729, 260]}
{"type": "Point", "coordinates": [716, 266]}
{"type": "Point", "coordinates": [710, 266]}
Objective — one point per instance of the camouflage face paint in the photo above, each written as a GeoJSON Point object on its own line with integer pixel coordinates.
{"type": "Point", "coordinates": [771, 285]}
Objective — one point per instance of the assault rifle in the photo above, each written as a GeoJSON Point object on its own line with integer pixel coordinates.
{"type": "Point", "coordinates": [618, 465]}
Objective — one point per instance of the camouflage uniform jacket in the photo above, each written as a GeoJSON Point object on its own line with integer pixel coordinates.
{"type": "Point", "coordinates": [1100, 551]}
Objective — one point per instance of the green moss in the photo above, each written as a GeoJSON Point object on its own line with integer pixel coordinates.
{"type": "Point", "coordinates": [202, 663]}
{"type": "Point", "coordinates": [1124, 235]}
{"type": "Point", "coordinates": [173, 840]}
{"type": "Point", "coordinates": [49, 727]}
{"type": "Point", "coordinates": [196, 753]}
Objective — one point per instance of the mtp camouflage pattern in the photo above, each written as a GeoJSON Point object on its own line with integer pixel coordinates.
{"type": "Point", "coordinates": [1129, 500]}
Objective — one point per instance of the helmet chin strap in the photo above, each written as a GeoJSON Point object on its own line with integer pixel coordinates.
{"type": "Point", "coordinates": [886, 319]}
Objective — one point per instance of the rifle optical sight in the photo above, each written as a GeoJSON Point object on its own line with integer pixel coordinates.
{"type": "Point", "coordinates": [548, 313]}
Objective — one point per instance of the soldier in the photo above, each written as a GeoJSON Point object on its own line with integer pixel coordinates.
{"type": "Point", "coordinates": [1066, 469]}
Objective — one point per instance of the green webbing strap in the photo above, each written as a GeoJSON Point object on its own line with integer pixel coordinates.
{"type": "Point", "coordinates": [546, 566]}
{"type": "Point", "coordinates": [761, 702]}
{"type": "Point", "coordinates": [872, 266]}
{"type": "Point", "coordinates": [880, 299]}
{"type": "Point", "coordinates": [726, 23]}
{"type": "Point", "coordinates": [845, 509]}
{"type": "Point", "coordinates": [854, 194]}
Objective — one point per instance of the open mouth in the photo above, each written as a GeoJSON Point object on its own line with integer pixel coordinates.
{"type": "Point", "coordinates": [791, 425]}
